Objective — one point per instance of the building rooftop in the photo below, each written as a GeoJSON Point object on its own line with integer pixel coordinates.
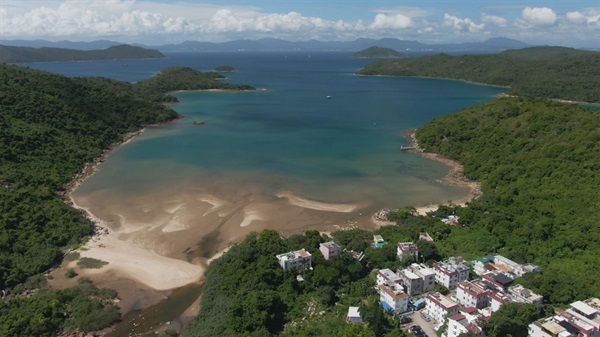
{"type": "Point", "coordinates": [584, 308]}
{"type": "Point", "coordinates": [476, 289]}
{"type": "Point", "coordinates": [353, 312]}
{"type": "Point", "coordinates": [330, 245]}
{"type": "Point", "coordinates": [395, 292]}
{"type": "Point", "coordinates": [442, 301]}
{"type": "Point", "coordinates": [389, 275]}
{"type": "Point", "coordinates": [294, 255]}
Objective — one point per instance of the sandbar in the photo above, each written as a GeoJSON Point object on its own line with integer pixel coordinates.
{"type": "Point", "coordinates": [318, 205]}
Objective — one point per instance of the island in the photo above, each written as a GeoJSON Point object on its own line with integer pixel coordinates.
{"type": "Point", "coordinates": [543, 72]}
{"type": "Point", "coordinates": [379, 52]}
{"type": "Point", "coordinates": [225, 69]}
{"type": "Point", "coordinates": [12, 54]}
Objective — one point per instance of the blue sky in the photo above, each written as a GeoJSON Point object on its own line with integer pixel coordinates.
{"type": "Point", "coordinates": [574, 23]}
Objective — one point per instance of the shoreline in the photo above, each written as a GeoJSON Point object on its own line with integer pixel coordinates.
{"type": "Point", "coordinates": [455, 177]}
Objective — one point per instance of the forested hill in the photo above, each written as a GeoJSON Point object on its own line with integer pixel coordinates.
{"type": "Point", "coordinates": [12, 54]}
{"type": "Point", "coordinates": [542, 72]}
{"type": "Point", "coordinates": [539, 162]}
{"type": "Point", "coordinates": [50, 126]}
{"type": "Point", "coordinates": [379, 52]}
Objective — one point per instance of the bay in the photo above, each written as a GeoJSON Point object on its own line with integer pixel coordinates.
{"type": "Point", "coordinates": [285, 157]}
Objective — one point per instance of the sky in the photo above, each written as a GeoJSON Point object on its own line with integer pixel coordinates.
{"type": "Point", "coordinates": [573, 23]}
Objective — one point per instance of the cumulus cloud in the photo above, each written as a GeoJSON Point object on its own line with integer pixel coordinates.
{"type": "Point", "coordinates": [462, 25]}
{"type": "Point", "coordinates": [494, 20]}
{"type": "Point", "coordinates": [590, 17]}
{"type": "Point", "coordinates": [575, 17]}
{"type": "Point", "coordinates": [539, 16]}
{"type": "Point", "coordinates": [391, 21]}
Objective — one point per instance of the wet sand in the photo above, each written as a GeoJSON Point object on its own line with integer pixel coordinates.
{"type": "Point", "coordinates": [164, 237]}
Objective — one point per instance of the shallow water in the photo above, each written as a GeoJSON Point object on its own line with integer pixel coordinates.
{"type": "Point", "coordinates": [183, 190]}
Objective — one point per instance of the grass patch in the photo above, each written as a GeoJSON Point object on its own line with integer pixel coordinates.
{"type": "Point", "coordinates": [72, 256]}
{"type": "Point", "coordinates": [90, 263]}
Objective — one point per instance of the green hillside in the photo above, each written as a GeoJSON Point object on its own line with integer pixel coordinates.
{"type": "Point", "coordinates": [546, 53]}
{"type": "Point", "coordinates": [575, 77]}
{"type": "Point", "coordinates": [539, 163]}
{"type": "Point", "coordinates": [50, 127]}
{"type": "Point", "coordinates": [184, 78]}
{"type": "Point", "coordinates": [379, 52]}
{"type": "Point", "coordinates": [12, 54]}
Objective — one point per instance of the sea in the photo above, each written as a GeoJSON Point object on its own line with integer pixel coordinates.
{"type": "Point", "coordinates": [255, 152]}
{"type": "Point", "coordinates": [289, 137]}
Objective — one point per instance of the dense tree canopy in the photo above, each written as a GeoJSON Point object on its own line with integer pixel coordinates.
{"type": "Point", "coordinates": [539, 163]}
{"type": "Point", "coordinates": [533, 72]}
{"type": "Point", "coordinates": [50, 127]}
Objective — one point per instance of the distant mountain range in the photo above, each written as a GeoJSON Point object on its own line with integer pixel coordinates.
{"type": "Point", "coordinates": [14, 54]}
{"type": "Point", "coordinates": [269, 44]}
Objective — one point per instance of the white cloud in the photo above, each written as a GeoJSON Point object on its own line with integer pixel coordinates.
{"type": "Point", "coordinates": [494, 20]}
{"type": "Point", "coordinates": [539, 16]}
{"type": "Point", "coordinates": [575, 17]}
{"type": "Point", "coordinates": [462, 25]}
{"type": "Point", "coordinates": [391, 22]}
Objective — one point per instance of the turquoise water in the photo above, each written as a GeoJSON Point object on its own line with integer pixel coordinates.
{"type": "Point", "coordinates": [255, 145]}
{"type": "Point", "coordinates": [289, 137]}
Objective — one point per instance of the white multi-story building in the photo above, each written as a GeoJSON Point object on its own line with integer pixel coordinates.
{"type": "Point", "coordinates": [407, 249]}
{"type": "Point", "coordinates": [388, 277]}
{"type": "Point", "coordinates": [439, 307]}
{"type": "Point", "coordinates": [329, 249]}
{"type": "Point", "coordinates": [463, 323]}
{"type": "Point", "coordinates": [472, 294]}
{"type": "Point", "coordinates": [418, 279]}
{"type": "Point", "coordinates": [393, 298]}
{"type": "Point", "coordinates": [299, 259]}
{"type": "Point", "coordinates": [450, 273]}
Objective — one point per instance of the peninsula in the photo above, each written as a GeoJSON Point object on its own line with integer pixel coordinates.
{"type": "Point", "coordinates": [12, 54]}
{"type": "Point", "coordinates": [543, 72]}
{"type": "Point", "coordinates": [53, 131]}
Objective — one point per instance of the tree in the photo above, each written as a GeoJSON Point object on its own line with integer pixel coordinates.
{"type": "Point", "coordinates": [511, 320]}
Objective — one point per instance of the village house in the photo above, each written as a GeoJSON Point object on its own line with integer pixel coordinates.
{"type": "Point", "coordinates": [439, 307]}
{"type": "Point", "coordinates": [473, 294]}
{"type": "Point", "coordinates": [299, 259]}
{"type": "Point", "coordinates": [393, 298]}
{"type": "Point", "coordinates": [450, 273]}
{"type": "Point", "coordinates": [353, 315]}
{"type": "Point", "coordinates": [388, 277]}
{"type": "Point", "coordinates": [463, 323]}
{"type": "Point", "coordinates": [418, 279]}
{"type": "Point", "coordinates": [520, 294]}
{"type": "Point", "coordinates": [582, 319]}
{"type": "Point", "coordinates": [407, 249]}
{"type": "Point", "coordinates": [329, 249]}
{"type": "Point", "coordinates": [378, 241]}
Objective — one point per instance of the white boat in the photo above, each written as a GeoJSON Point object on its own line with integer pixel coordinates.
{"type": "Point", "coordinates": [328, 97]}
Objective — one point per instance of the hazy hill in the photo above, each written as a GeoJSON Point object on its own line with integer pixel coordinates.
{"type": "Point", "coordinates": [12, 54]}
{"type": "Point", "coordinates": [532, 72]}
{"type": "Point", "coordinates": [379, 52]}
{"type": "Point", "coordinates": [79, 45]}
{"type": "Point", "coordinates": [546, 53]}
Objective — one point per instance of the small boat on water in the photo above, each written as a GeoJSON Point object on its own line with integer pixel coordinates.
{"type": "Point", "coordinates": [328, 97]}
